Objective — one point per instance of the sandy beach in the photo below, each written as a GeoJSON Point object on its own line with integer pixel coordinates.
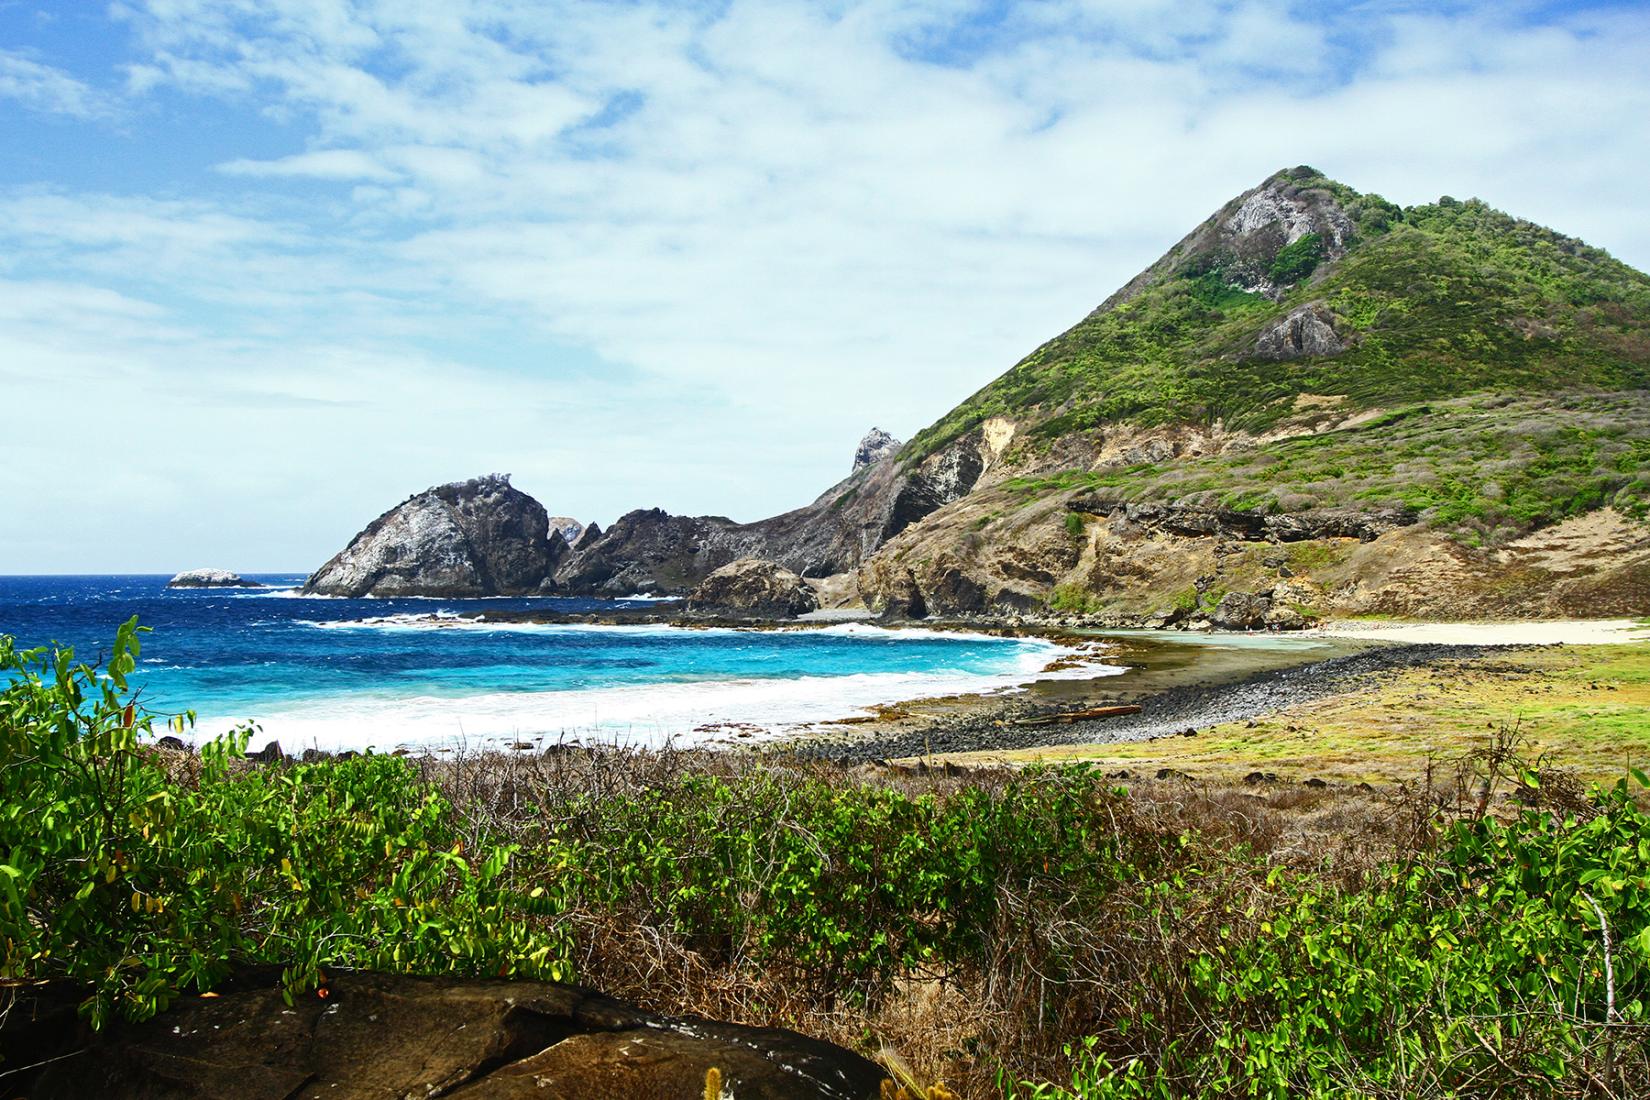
{"type": "Point", "coordinates": [1555, 632]}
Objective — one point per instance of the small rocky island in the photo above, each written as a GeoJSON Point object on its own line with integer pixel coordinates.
{"type": "Point", "coordinates": [210, 578]}
{"type": "Point", "coordinates": [480, 537]}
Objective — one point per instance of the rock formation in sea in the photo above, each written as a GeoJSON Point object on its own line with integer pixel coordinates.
{"type": "Point", "coordinates": [754, 586]}
{"type": "Point", "coordinates": [210, 578]}
{"type": "Point", "coordinates": [480, 537]}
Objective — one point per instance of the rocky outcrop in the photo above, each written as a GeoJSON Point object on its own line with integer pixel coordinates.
{"type": "Point", "coordinates": [1241, 241]}
{"type": "Point", "coordinates": [876, 446]}
{"type": "Point", "coordinates": [375, 1036]}
{"type": "Point", "coordinates": [1241, 611]}
{"type": "Point", "coordinates": [480, 537]}
{"type": "Point", "coordinates": [752, 586]}
{"type": "Point", "coordinates": [210, 578]}
{"type": "Point", "coordinates": [1322, 523]}
{"type": "Point", "coordinates": [653, 551]}
{"type": "Point", "coordinates": [587, 538]}
{"type": "Point", "coordinates": [1308, 330]}
{"type": "Point", "coordinates": [571, 529]}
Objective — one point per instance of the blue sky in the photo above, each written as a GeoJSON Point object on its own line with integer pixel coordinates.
{"type": "Point", "coordinates": [268, 266]}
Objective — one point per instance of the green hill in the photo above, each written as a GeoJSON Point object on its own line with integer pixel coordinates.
{"type": "Point", "coordinates": [1442, 409]}
{"type": "Point", "coordinates": [1304, 295]}
{"type": "Point", "coordinates": [1432, 301]}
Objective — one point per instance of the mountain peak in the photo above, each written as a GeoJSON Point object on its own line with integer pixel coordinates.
{"type": "Point", "coordinates": [876, 446]}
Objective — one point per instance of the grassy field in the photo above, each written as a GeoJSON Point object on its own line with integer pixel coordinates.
{"type": "Point", "coordinates": [1587, 708]}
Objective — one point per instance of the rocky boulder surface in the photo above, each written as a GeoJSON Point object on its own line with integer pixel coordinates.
{"type": "Point", "coordinates": [1308, 330]}
{"type": "Point", "coordinates": [480, 537]}
{"type": "Point", "coordinates": [572, 530]}
{"type": "Point", "coordinates": [651, 550]}
{"type": "Point", "coordinates": [375, 1036]}
{"type": "Point", "coordinates": [876, 446]}
{"type": "Point", "coordinates": [210, 578]}
{"type": "Point", "coordinates": [753, 586]}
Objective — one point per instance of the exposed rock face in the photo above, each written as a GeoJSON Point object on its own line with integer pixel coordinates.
{"type": "Point", "coordinates": [1321, 523]}
{"type": "Point", "coordinates": [752, 586]}
{"type": "Point", "coordinates": [1242, 238]}
{"type": "Point", "coordinates": [653, 551]}
{"type": "Point", "coordinates": [587, 538]}
{"type": "Point", "coordinates": [471, 538]}
{"type": "Point", "coordinates": [1309, 330]}
{"type": "Point", "coordinates": [876, 446]}
{"type": "Point", "coordinates": [378, 1036]}
{"type": "Point", "coordinates": [1241, 611]}
{"type": "Point", "coordinates": [210, 578]}
{"type": "Point", "coordinates": [571, 529]}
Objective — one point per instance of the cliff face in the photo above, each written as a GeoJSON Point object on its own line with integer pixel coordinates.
{"type": "Point", "coordinates": [653, 551]}
{"type": "Point", "coordinates": [480, 537]}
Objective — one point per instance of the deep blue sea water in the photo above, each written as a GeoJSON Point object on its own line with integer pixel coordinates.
{"type": "Point", "coordinates": [339, 673]}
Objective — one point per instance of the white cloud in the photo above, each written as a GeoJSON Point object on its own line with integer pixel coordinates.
{"type": "Point", "coordinates": [323, 164]}
{"type": "Point", "coordinates": [758, 230]}
{"type": "Point", "coordinates": [50, 90]}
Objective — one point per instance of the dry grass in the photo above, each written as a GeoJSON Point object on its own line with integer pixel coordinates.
{"type": "Point", "coordinates": [1053, 973]}
{"type": "Point", "coordinates": [1587, 708]}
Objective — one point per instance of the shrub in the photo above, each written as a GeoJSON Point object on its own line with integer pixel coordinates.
{"type": "Point", "coordinates": [144, 884]}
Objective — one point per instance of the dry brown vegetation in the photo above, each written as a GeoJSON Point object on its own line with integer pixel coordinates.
{"type": "Point", "coordinates": [1053, 969]}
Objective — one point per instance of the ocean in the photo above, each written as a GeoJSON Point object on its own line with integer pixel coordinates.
{"type": "Point", "coordinates": [385, 673]}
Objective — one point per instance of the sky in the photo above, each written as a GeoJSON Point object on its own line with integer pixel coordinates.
{"type": "Point", "coordinates": [268, 267]}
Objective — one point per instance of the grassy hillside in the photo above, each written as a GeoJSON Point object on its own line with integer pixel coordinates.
{"type": "Point", "coordinates": [1487, 467]}
{"type": "Point", "coordinates": [1433, 302]}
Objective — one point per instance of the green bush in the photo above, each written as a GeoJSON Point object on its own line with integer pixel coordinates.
{"type": "Point", "coordinates": [1296, 260]}
{"type": "Point", "coordinates": [144, 884]}
{"type": "Point", "coordinates": [1505, 960]}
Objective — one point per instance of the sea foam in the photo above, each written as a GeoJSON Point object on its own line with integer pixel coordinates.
{"type": "Point", "coordinates": [681, 713]}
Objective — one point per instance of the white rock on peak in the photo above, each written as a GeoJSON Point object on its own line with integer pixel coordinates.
{"type": "Point", "coordinates": [876, 446]}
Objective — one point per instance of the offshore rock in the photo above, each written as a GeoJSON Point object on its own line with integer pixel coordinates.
{"type": "Point", "coordinates": [376, 1036]}
{"type": "Point", "coordinates": [210, 578]}
{"type": "Point", "coordinates": [471, 538]}
{"type": "Point", "coordinates": [752, 586]}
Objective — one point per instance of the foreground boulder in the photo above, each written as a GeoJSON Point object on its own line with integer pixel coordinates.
{"type": "Point", "coordinates": [374, 1036]}
{"type": "Point", "coordinates": [752, 586]}
{"type": "Point", "coordinates": [210, 578]}
{"type": "Point", "coordinates": [471, 538]}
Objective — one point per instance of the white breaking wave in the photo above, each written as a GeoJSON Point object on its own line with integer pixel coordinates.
{"type": "Point", "coordinates": [694, 713]}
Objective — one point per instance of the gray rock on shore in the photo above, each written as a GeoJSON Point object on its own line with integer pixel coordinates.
{"type": "Point", "coordinates": [210, 578]}
{"type": "Point", "coordinates": [753, 586]}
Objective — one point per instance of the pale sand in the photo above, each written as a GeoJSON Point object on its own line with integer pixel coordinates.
{"type": "Point", "coordinates": [1555, 632]}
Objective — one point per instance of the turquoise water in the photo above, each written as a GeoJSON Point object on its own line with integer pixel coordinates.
{"type": "Point", "coordinates": [337, 673]}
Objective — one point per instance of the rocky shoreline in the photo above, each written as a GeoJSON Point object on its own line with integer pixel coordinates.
{"type": "Point", "coordinates": [996, 724]}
